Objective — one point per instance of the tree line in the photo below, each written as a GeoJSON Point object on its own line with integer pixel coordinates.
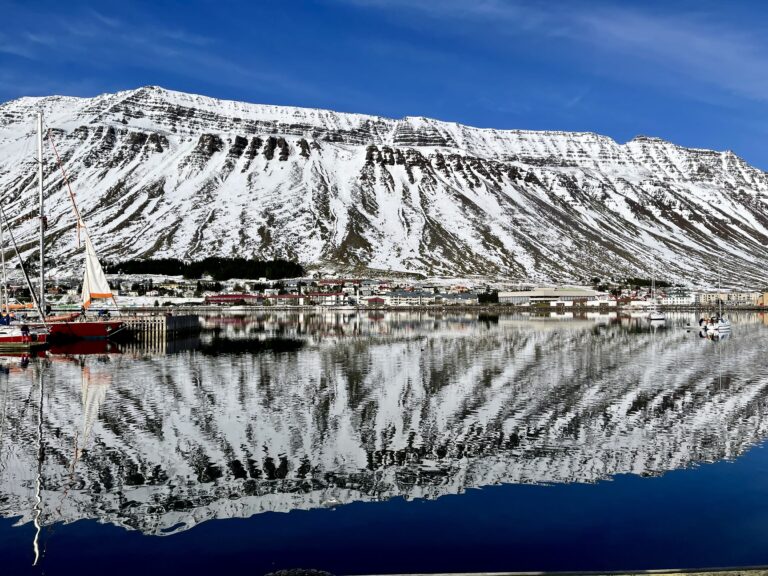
{"type": "Point", "coordinates": [216, 267]}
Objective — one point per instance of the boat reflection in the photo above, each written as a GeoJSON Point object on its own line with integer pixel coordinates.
{"type": "Point", "coordinates": [84, 347]}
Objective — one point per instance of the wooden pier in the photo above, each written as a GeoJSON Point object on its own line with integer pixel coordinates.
{"type": "Point", "coordinates": [145, 348]}
{"type": "Point", "coordinates": [158, 329]}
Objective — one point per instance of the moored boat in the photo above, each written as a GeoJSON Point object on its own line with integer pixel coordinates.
{"type": "Point", "coordinates": [84, 329]}
{"type": "Point", "coordinates": [21, 338]}
{"type": "Point", "coordinates": [717, 324]}
{"type": "Point", "coordinates": [17, 337]}
{"type": "Point", "coordinates": [77, 326]}
{"type": "Point", "coordinates": [655, 315]}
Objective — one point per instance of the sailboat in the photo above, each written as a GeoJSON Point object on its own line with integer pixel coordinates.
{"type": "Point", "coordinates": [95, 285]}
{"type": "Point", "coordinates": [75, 326]}
{"type": "Point", "coordinates": [19, 337]}
{"type": "Point", "coordinates": [655, 315]}
{"type": "Point", "coordinates": [717, 324]}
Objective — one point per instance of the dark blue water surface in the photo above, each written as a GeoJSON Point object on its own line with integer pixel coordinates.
{"type": "Point", "coordinates": [421, 446]}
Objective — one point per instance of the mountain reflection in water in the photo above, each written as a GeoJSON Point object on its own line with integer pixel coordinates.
{"type": "Point", "coordinates": [284, 412]}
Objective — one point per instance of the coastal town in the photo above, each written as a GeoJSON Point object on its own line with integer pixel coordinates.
{"type": "Point", "coordinates": [143, 291]}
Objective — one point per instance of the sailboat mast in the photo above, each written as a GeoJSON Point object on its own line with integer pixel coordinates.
{"type": "Point", "coordinates": [4, 289]}
{"type": "Point", "coordinates": [719, 299]}
{"type": "Point", "coordinates": [41, 300]}
{"type": "Point", "coordinates": [21, 262]}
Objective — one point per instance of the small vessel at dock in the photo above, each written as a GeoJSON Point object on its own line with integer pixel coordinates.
{"type": "Point", "coordinates": [717, 324]}
{"type": "Point", "coordinates": [85, 330]}
{"type": "Point", "coordinates": [21, 338]}
{"type": "Point", "coordinates": [77, 326]}
{"type": "Point", "coordinates": [15, 336]}
{"type": "Point", "coordinates": [655, 315]}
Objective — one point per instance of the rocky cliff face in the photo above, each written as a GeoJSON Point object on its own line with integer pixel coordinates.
{"type": "Point", "coordinates": [162, 173]}
{"type": "Point", "coordinates": [363, 411]}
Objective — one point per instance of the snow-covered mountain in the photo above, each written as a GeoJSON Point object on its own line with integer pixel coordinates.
{"type": "Point", "coordinates": [366, 410]}
{"type": "Point", "coordinates": [163, 173]}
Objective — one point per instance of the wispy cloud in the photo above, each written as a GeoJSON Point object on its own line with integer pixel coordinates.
{"type": "Point", "coordinates": [688, 45]}
{"type": "Point", "coordinates": [106, 20]}
{"type": "Point", "coordinates": [672, 47]}
{"type": "Point", "coordinates": [527, 15]}
{"type": "Point", "coordinates": [105, 41]}
{"type": "Point", "coordinates": [12, 47]}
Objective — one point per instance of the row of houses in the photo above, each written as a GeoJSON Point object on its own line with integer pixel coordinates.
{"type": "Point", "coordinates": [262, 299]}
{"type": "Point", "coordinates": [570, 296]}
{"type": "Point", "coordinates": [731, 299]}
{"type": "Point", "coordinates": [401, 298]}
{"type": "Point", "coordinates": [545, 296]}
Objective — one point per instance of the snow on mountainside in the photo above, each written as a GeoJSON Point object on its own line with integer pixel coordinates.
{"type": "Point", "coordinates": [162, 173]}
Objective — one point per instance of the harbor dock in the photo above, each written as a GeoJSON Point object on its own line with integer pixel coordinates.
{"type": "Point", "coordinates": [159, 328]}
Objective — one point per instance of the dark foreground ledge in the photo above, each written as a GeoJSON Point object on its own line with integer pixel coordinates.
{"type": "Point", "coordinates": [748, 571]}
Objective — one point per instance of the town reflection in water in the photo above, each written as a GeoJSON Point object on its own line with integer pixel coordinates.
{"type": "Point", "coordinates": [282, 412]}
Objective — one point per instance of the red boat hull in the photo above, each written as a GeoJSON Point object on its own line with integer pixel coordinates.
{"type": "Point", "coordinates": [31, 339]}
{"type": "Point", "coordinates": [87, 330]}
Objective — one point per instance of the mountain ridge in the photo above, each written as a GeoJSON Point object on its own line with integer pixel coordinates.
{"type": "Point", "coordinates": [168, 174]}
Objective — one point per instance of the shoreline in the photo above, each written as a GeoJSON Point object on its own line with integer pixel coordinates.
{"type": "Point", "coordinates": [480, 308]}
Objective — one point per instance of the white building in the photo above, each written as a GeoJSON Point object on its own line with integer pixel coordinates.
{"type": "Point", "coordinates": [405, 298]}
{"type": "Point", "coordinates": [548, 296]}
{"type": "Point", "coordinates": [677, 296]}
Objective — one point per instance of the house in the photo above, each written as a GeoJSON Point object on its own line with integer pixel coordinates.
{"type": "Point", "coordinates": [327, 298]}
{"type": "Point", "coordinates": [743, 298]}
{"type": "Point", "coordinates": [728, 298]}
{"type": "Point", "coordinates": [412, 298]}
{"type": "Point", "coordinates": [456, 299]}
{"type": "Point", "coordinates": [678, 297]}
{"type": "Point", "coordinates": [286, 299]}
{"type": "Point", "coordinates": [231, 299]}
{"type": "Point", "coordinates": [603, 301]}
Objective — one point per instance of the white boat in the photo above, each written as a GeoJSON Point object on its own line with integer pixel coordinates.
{"type": "Point", "coordinates": [21, 338]}
{"type": "Point", "coordinates": [655, 315]}
{"type": "Point", "coordinates": [718, 324]}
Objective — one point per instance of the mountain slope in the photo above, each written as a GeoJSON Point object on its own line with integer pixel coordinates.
{"type": "Point", "coordinates": [162, 173]}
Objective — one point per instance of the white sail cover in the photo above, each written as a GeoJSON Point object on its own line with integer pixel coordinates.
{"type": "Point", "coordinates": [95, 284]}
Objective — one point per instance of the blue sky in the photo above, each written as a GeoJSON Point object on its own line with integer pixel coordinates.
{"type": "Point", "coordinates": [691, 72]}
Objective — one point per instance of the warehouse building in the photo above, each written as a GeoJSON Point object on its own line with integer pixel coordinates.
{"type": "Point", "coordinates": [548, 296]}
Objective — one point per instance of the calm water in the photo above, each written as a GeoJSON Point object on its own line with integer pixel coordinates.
{"type": "Point", "coordinates": [390, 443]}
